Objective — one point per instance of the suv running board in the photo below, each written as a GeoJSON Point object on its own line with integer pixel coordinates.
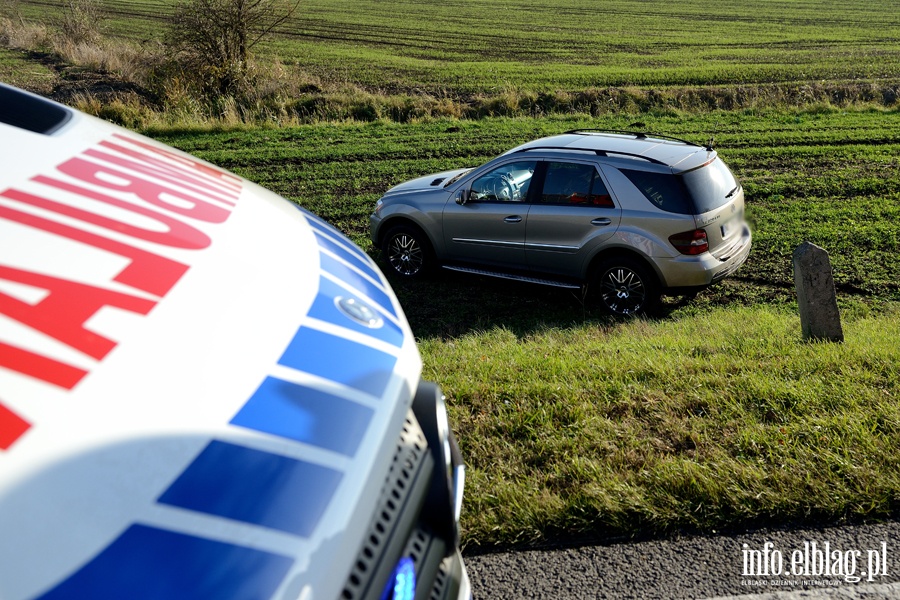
{"type": "Point", "coordinates": [525, 278]}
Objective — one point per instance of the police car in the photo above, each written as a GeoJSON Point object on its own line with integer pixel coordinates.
{"type": "Point", "coordinates": [206, 392]}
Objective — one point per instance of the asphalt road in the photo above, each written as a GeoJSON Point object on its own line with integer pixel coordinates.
{"type": "Point", "coordinates": [761, 565]}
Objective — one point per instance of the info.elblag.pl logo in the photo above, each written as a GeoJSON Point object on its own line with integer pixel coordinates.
{"type": "Point", "coordinates": [816, 563]}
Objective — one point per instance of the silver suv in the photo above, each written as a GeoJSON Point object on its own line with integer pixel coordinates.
{"type": "Point", "coordinates": [631, 216]}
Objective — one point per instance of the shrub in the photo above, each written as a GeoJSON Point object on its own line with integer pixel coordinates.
{"type": "Point", "coordinates": [81, 21]}
{"type": "Point", "coordinates": [212, 40]}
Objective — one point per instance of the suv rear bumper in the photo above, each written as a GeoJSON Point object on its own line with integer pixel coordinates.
{"type": "Point", "coordinates": [687, 272]}
{"type": "Point", "coordinates": [736, 260]}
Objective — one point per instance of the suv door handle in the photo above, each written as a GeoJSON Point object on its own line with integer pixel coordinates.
{"type": "Point", "coordinates": [601, 221]}
{"type": "Point", "coordinates": [513, 219]}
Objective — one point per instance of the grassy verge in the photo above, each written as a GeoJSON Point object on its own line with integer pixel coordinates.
{"type": "Point", "coordinates": [706, 421]}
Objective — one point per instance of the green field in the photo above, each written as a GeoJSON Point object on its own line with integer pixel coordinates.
{"type": "Point", "coordinates": [711, 415]}
{"type": "Point", "coordinates": [17, 69]}
{"type": "Point", "coordinates": [463, 48]}
{"type": "Point", "coordinates": [485, 47]}
{"type": "Point", "coordinates": [828, 176]}
{"type": "Point", "coordinates": [714, 414]}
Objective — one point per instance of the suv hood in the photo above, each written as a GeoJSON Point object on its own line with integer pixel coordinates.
{"type": "Point", "coordinates": [435, 181]}
{"type": "Point", "coordinates": [195, 373]}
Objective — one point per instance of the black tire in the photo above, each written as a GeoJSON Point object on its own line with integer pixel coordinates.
{"type": "Point", "coordinates": [625, 286]}
{"type": "Point", "coordinates": [407, 252]}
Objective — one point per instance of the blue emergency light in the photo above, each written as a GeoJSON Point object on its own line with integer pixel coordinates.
{"type": "Point", "coordinates": [402, 583]}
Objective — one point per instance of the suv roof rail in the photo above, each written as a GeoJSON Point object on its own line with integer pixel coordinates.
{"type": "Point", "coordinates": [641, 135]}
{"type": "Point", "coordinates": [607, 153]}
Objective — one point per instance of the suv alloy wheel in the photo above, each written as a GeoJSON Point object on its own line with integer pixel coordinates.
{"type": "Point", "coordinates": [407, 251]}
{"type": "Point", "coordinates": [626, 287]}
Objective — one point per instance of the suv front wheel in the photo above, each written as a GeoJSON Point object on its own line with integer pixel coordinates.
{"type": "Point", "coordinates": [407, 251]}
{"type": "Point", "coordinates": [625, 286]}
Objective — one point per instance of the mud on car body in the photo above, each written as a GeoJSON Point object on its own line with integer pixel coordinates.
{"type": "Point", "coordinates": [205, 391]}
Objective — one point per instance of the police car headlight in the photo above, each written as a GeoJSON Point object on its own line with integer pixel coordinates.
{"type": "Point", "coordinates": [444, 501]}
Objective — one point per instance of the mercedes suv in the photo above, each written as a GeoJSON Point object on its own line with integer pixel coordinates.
{"type": "Point", "coordinates": [631, 216]}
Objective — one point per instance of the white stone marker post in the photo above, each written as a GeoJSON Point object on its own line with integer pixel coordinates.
{"type": "Point", "coordinates": [819, 316]}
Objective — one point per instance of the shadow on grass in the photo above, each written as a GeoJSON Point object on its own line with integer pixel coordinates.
{"type": "Point", "coordinates": [448, 305]}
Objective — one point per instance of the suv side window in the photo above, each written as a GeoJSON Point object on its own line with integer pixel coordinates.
{"type": "Point", "coordinates": [574, 184]}
{"type": "Point", "coordinates": [507, 183]}
{"type": "Point", "coordinates": [664, 190]}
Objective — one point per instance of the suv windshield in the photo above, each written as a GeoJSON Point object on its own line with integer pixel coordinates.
{"type": "Point", "coordinates": [692, 193]}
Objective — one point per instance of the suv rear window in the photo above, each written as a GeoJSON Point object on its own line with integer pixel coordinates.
{"type": "Point", "coordinates": [692, 193]}
{"type": "Point", "coordinates": [710, 186]}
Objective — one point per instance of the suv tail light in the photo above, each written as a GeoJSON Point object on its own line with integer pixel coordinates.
{"type": "Point", "coordinates": [690, 242]}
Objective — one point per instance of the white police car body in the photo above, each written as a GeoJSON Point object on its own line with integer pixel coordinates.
{"type": "Point", "coordinates": [205, 391]}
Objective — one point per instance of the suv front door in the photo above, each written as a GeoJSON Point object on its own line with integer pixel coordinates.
{"type": "Point", "coordinates": [489, 226]}
{"type": "Point", "coordinates": [570, 216]}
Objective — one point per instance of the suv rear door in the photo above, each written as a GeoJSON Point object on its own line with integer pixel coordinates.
{"type": "Point", "coordinates": [718, 200]}
{"type": "Point", "coordinates": [571, 215]}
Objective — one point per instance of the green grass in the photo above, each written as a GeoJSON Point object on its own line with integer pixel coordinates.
{"type": "Point", "coordinates": [712, 415]}
{"type": "Point", "coordinates": [16, 68]}
{"type": "Point", "coordinates": [480, 47]}
{"type": "Point", "coordinates": [704, 422]}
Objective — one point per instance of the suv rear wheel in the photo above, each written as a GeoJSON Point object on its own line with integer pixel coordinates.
{"type": "Point", "coordinates": [625, 286]}
{"type": "Point", "coordinates": [407, 251]}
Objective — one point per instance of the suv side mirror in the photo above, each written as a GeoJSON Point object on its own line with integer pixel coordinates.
{"type": "Point", "coordinates": [463, 197]}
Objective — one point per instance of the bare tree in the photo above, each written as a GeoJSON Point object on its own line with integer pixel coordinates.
{"type": "Point", "coordinates": [213, 39]}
